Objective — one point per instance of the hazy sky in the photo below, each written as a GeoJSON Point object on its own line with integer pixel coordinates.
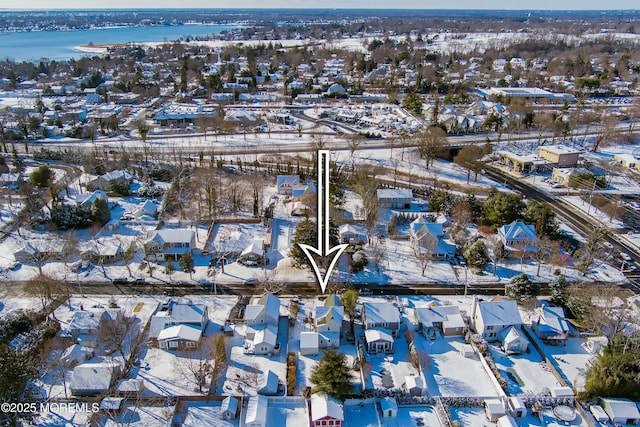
{"type": "Point", "coordinates": [373, 4]}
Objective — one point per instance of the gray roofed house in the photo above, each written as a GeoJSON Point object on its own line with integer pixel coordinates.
{"type": "Point", "coordinates": [329, 319]}
{"type": "Point", "coordinates": [379, 340]}
{"type": "Point", "coordinates": [512, 341]}
{"type": "Point", "coordinates": [550, 325]}
{"type": "Point", "coordinates": [381, 315]}
{"type": "Point", "coordinates": [103, 182]}
{"type": "Point", "coordinates": [395, 198]}
{"type": "Point", "coordinates": [91, 379]}
{"type": "Point", "coordinates": [444, 319]}
{"type": "Point", "coordinates": [429, 236]}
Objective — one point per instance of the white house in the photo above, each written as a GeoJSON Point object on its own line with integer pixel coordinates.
{"type": "Point", "coordinates": [256, 414]}
{"type": "Point", "coordinates": [381, 315]}
{"type": "Point", "coordinates": [265, 311]}
{"type": "Point", "coordinates": [489, 318]}
{"type": "Point", "coordinates": [379, 340]}
{"type": "Point", "coordinates": [395, 198]}
{"type": "Point", "coordinates": [628, 161]}
{"type": "Point", "coordinates": [494, 409]}
{"type": "Point", "coordinates": [506, 421]}
{"type": "Point", "coordinates": [516, 407]}
{"type": "Point", "coordinates": [171, 243]}
{"type": "Point", "coordinates": [148, 208]}
{"type": "Point", "coordinates": [264, 340]}
{"type": "Point", "coordinates": [104, 182]}
{"type": "Point", "coordinates": [180, 337]}
{"type": "Point", "coordinates": [253, 255]}
{"type": "Point", "coordinates": [85, 201]}
{"type": "Point", "coordinates": [352, 234]}
{"type": "Point", "coordinates": [518, 236]}
{"type": "Point", "coordinates": [621, 411]}
{"type": "Point", "coordinates": [512, 341]}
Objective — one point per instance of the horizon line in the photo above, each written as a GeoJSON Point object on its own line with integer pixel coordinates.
{"type": "Point", "coordinates": [311, 8]}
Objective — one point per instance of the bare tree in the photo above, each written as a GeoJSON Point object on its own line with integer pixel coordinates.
{"type": "Point", "coordinates": [366, 185]}
{"type": "Point", "coordinates": [542, 252]}
{"type": "Point", "coordinates": [423, 250]}
{"type": "Point", "coordinates": [47, 289]}
{"type": "Point", "coordinates": [431, 143]}
{"type": "Point", "coordinates": [197, 365]}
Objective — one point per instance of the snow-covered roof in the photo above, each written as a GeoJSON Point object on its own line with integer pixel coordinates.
{"type": "Point", "coordinates": [388, 403]}
{"type": "Point", "coordinates": [323, 406]}
{"type": "Point", "coordinates": [381, 312]}
{"type": "Point", "coordinates": [267, 335]}
{"type": "Point", "coordinates": [309, 340]}
{"type": "Point", "coordinates": [92, 377]}
{"type": "Point", "coordinates": [499, 313]}
{"type": "Point", "coordinates": [413, 381]}
{"type": "Point", "coordinates": [256, 247]}
{"type": "Point", "coordinates": [377, 335]}
{"type": "Point", "coordinates": [230, 404]}
{"type": "Point", "coordinates": [257, 410]}
{"type": "Point", "coordinates": [518, 230]}
{"type": "Point", "coordinates": [494, 406]}
{"type": "Point", "coordinates": [173, 236]}
{"type": "Point", "coordinates": [268, 384]}
{"type": "Point", "coordinates": [421, 225]}
{"type": "Point", "coordinates": [394, 193]}
{"type": "Point", "coordinates": [510, 335]}
{"type": "Point", "coordinates": [449, 315]}
{"type": "Point", "coordinates": [111, 403]}
{"type": "Point", "coordinates": [117, 174]}
{"type": "Point", "coordinates": [76, 354]}
{"type": "Point", "coordinates": [333, 300]}
{"type": "Point", "coordinates": [180, 332]}
{"type": "Point", "coordinates": [188, 313]}
{"type": "Point", "coordinates": [621, 408]}
{"type": "Point", "coordinates": [268, 303]}
{"type": "Point", "coordinates": [130, 385]}
{"type": "Point", "coordinates": [85, 320]}
{"type": "Point", "coordinates": [551, 320]}
{"type": "Point", "coordinates": [287, 180]}
{"type": "Point", "coordinates": [146, 208]}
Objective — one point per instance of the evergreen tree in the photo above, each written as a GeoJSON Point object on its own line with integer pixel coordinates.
{"type": "Point", "coordinates": [502, 208]}
{"type": "Point", "coordinates": [349, 300]}
{"type": "Point", "coordinates": [307, 233]}
{"type": "Point", "coordinates": [615, 372]}
{"type": "Point", "coordinates": [521, 288]}
{"type": "Point", "coordinates": [559, 290]}
{"type": "Point", "coordinates": [332, 375]}
{"type": "Point", "coordinates": [186, 263]}
{"type": "Point", "coordinates": [100, 211]}
{"type": "Point", "coordinates": [41, 177]}
{"type": "Point", "coordinates": [16, 373]}
{"type": "Point", "coordinates": [477, 255]}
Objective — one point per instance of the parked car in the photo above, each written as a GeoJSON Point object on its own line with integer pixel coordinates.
{"type": "Point", "coordinates": [120, 281]}
{"type": "Point", "coordinates": [625, 256]}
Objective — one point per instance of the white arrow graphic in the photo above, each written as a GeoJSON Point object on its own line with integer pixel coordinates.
{"type": "Point", "coordinates": [323, 249]}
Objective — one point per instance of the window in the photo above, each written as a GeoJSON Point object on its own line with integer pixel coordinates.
{"type": "Point", "coordinates": [489, 328]}
{"type": "Point", "coordinates": [191, 344]}
{"type": "Point", "coordinates": [173, 344]}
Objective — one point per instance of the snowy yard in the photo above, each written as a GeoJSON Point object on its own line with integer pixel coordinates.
{"type": "Point", "coordinates": [205, 414]}
{"type": "Point", "coordinates": [414, 416]}
{"type": "Point", "coordinates": [291, 413]}
{"type": "Point", "coordinates": [449, 371]}
{"type": "Point", "coordinates": [572, 360]}
{"type": "Point", "coordinates": [526, 374]}
{"type": "Point", "coordinates": [359, 413]}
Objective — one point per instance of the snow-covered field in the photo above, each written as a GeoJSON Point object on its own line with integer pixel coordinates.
{"type": "Point", "coordinates": [205, 414]}
{"type": "Point", "coordinates": [475, 417]}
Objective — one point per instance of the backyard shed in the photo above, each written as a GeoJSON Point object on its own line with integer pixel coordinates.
{"type": "Point", "coordinates": [621, 411]}
{"type": "Point", "coordinates": [494, 409]}
{"type": "Point", "coordinates": [414, 385]}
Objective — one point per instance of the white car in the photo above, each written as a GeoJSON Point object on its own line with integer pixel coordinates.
{"type": "Point", "coordinates": [625, 256]}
